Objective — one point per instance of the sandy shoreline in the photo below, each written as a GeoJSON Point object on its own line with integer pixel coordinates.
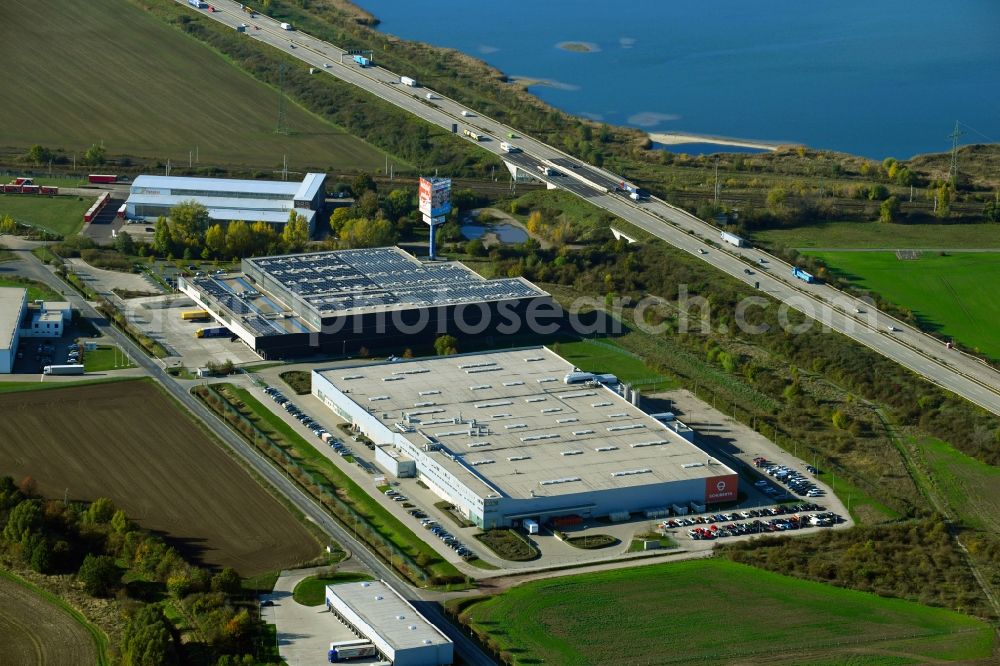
{"type": "Point", "coordinates": [677, 139]}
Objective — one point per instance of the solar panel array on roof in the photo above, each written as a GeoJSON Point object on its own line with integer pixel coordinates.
{"type": "Point", "coordinates": [334, 282]}
{"type": "Point", "coordinates": [249, 315]}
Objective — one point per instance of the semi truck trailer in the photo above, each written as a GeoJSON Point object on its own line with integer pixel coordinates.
{"type": "Point", "coordinates": [74, 369]}
{"type": "Point", "coordinates": [407, 81]}
{"type": "Point", "coordinates": [803, 275]}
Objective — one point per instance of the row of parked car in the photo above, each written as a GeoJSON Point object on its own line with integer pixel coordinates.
{"type": "Point", "coordinates": [443, 534]}
{"type": "Point", "coordinates": [766, 512]}
{"type": "Point", "coordinates": [306, 420]}
{"type": "Point", "coordinates": [782, 524]}
{"type": "Point", "coordinates": [798, 482]}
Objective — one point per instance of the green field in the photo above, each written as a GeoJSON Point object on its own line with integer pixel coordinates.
{"type": "Point", "coordinates": [953, 294]}
{"type": "Point", "coordinates": [61, 215]}
{"type": "Point", "coordinates": [712, 611]}
{"type": "Point", "coordinates": [605, 356]}
{"type": "Point", "coordinates": [105, 358]}
{"type": "Point", "coordinates": [311, 591]}
{"type": "Point", "coordinates": [971, 488]}
{"type": "Point", "coordinates": [110, 72]}
{"type": "Point", "coordinates": [36, 290]}
{"type": "Point", "coordinates": [887, 236]}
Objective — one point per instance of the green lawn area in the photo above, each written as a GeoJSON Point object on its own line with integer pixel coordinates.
{"type": "Point", "coordinates": [312, 591]}
{"type": "Point", "coordinates": [604, 356]}
{"type": "Point", "coordinates": [105, 358]}
{"type": "Point", "coordinates": [36, 290]}
{"type": "Point", "coordinates": [190, 98]}
{"type": "Point", "coordinates": [384, 522]}
{"type": "Point", "coordinates": [61, 215]}
{"type": "Point", "coordinates": [672, 614]}
{"type": "Point", "coordinates": [971, 488]}
{"type": "Point", "coordinates": [878, 235]}
{"type": "Point", "coordinates": [953, 294]}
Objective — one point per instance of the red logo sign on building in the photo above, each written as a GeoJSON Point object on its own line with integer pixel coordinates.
{"type": "Point", "coordinates": [721, 488]}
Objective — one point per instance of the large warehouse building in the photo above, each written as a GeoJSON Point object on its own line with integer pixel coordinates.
{"type": "Point", "coordinates": [228, 199]}
{"type": "Point", "coordinates": [13, 302]}
{"type": "Point", "coordinates": [337, 302]}
{"type": "Point", "coordinates": [509, 435]}
{"type": "Point", "coordinates": [379, 614]}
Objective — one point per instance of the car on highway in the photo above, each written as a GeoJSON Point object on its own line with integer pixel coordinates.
{"type": "Point", "coordinates": [892, 329]}
{"type": "Point", "coordinates": [326, 64]}
{"type": "Point", "coordinates": [748, 271]}
{"type": "Point", "coordinates": [701, 251]}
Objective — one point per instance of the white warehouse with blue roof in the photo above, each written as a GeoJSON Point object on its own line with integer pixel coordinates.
{"type": "Point", "coordinates": [228, 199]}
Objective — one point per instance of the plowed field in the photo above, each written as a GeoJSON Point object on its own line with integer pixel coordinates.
{"type": "Point", "coordinates": [128, 441]}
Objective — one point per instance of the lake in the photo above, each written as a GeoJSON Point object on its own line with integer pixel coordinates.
{"type": "Point", "coordinates": [886, 78]}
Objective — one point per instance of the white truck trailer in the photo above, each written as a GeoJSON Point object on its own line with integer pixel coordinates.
{"type": "Point", "coordinates": [407, 81]}
{"type": "Point", "coordinates": [733, 239]}
{"type": "Point", "coordinates": [72, 369]}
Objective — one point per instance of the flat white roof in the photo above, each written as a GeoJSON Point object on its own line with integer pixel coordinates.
{"type": "Point", "coordinates": [309, 187]}
{"type": "Point", "coordinates": [216, 184]}
{"type": "Point", "coordinates": [11, 301]}
{"type": "Point", "coordinates": [388, 614]}
{"type": "Point", "coordinates": [507, 422]}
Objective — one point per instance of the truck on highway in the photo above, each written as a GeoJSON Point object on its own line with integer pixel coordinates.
{"type": "Point", "coordinates": [212, 332]}
{"type": "Point", "coordinates": [346, 652]}
{"type": "Point", "coordinates": [198, 4]}
{"type": "Point", "coordinates": [407, 81]}
{"type": "Point", "coordinates": [733, 239]}
{"type": "Point", "coordinates": [72, 369]}
{"type": "Point", "coordinates": [802, 275]}
{"type": "Point", "coordinates": [509, 147]}
{"type": "Point", "coordinates": [362, 61]}
{"type": "Point", "coordinates": [472, 135]}
{"type": "Point", "coordinates": [248, 10]}
{"type": "Point", "coordinates": [287, 26]}
{"type": "Point", "coordinates": [547, 170]}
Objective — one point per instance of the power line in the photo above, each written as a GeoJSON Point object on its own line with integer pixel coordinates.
{"type": "Point", "coordinates": [953, 170]}
{"type": "Point", "coordinates": [282, 125]}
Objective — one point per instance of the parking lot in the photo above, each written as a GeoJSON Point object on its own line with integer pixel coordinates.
{"type": "Point", "coordinates": [304, 633]}
{"type": "Point", "coordinates": [160, 318]}
{"type": "Point", "coordinates": [320, 426]}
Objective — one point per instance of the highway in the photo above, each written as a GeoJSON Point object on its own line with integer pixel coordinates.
{"type": "Point", "coordinates": [950, 369]}
{"type": "Point", "coordinates": [425, 602]}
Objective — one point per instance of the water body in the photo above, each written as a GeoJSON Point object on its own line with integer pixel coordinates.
{"type": "Point", "coordinates": [507, 234]}
{"type": "Point", "coordinates": [873, 78]}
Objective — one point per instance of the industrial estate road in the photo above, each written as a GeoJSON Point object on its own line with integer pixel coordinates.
{"type": "Point", "coordinates": [424, 601]}
{"type": "Point", "coordinates": [921, 353]}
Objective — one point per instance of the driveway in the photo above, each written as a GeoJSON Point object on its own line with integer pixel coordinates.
{"type": "Point", "coordinates": [304, 632]}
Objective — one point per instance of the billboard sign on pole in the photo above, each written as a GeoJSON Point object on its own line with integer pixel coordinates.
{"type": "Point", "coordinates": [435, 198]}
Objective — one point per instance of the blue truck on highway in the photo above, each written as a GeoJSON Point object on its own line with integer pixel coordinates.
{"type": "Point", "coordinates": [362, 61]}
{"type": "Point", "coordinates": [802, 275]}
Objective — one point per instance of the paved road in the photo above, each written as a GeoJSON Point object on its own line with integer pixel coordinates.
{"type": "Point", "coordinates": [422, 600]}
{"type": "Point", "coordinates": [923, 354]}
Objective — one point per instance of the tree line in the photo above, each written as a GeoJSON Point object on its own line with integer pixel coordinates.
{"type": "Point", "coordinates": [109, 556]}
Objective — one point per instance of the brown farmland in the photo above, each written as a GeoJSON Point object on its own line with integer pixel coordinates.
{"type": "Point", "coordinates": [128, 441]}
{"type": "Point", "coordinates": [33, 631]}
